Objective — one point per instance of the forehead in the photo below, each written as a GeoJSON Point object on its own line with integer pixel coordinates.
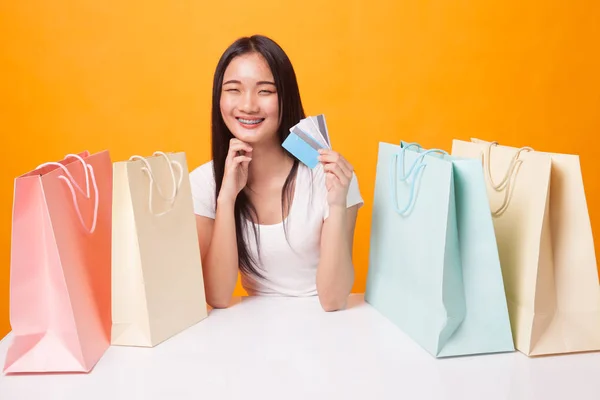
{"type": "Point", "coordinates": [248, 68]}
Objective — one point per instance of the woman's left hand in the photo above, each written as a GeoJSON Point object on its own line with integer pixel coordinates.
{"type": "Point", "coordinates": [338, 174]}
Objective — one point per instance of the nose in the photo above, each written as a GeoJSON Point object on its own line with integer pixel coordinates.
{"type": "Point", "coordinates": [249, 103]}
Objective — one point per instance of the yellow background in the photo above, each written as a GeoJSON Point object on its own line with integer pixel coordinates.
{"type": "Point", "coordinates": [135, 76]}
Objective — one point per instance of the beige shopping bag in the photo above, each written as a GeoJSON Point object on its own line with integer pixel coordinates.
{"type": "Point", "coordinates": [544, 236]}
{"type": "Point", "coordinates": [157, 281]}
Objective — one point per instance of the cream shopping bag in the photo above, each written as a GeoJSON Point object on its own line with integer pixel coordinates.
{"type": "Point", "coordinates": [157, 281]}
{"type": "Point", "coordinates": [546, 247]}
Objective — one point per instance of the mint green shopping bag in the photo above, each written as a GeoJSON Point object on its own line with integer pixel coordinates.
{"type": "Point", "coordinates": [434, 268]}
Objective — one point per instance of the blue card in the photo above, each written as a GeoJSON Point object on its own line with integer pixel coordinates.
{"type": "Point", "coordinates": [303, 147]}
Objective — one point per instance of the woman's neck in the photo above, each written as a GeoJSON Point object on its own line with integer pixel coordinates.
{"type": "Point", "coordinates": [268, 162]}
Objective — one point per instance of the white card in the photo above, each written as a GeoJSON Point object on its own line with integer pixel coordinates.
{"type": "Point", "coordinates": [312, 125]}
{"type": "Point", "coordinates": [322, 126]}
{"type": "Point", "coordinates": [307, 126]}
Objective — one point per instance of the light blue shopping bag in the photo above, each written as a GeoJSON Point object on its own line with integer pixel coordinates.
{"type": "Point", "coordinates": [434, 268]}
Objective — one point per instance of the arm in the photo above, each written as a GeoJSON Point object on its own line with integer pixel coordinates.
{"type": "Point", "coordinates": [217, 238]}
{"type": "Point", "coordinates": [218, 248]}
{"type": "Point", "coordinates": [335, 274]}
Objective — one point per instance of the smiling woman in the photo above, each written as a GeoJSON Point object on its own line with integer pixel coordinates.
{"type": "Point", "coordinates": [253, 188]}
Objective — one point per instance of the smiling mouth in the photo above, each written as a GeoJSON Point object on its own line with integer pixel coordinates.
{"type": "Point", "coordinates": [250, 121]}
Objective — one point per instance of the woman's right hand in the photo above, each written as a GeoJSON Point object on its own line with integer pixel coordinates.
{"type": "Point", "coordinates": [235, 176]}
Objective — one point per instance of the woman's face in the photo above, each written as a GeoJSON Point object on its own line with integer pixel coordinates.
{"type": "Point", "coordinates": [249, 100]}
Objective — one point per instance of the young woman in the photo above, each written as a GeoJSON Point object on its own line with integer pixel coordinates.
{"type": "Point", "coordinates": [287, 228]}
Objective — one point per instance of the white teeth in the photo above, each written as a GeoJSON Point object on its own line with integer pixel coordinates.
{"type": "Point", "coordinates": [250, 121]}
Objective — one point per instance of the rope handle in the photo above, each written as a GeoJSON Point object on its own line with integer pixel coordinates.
{"type": "Point", "coordinates": [72, 185]}
{"type": "Point", "coordinates": [506, 185]}
{"type": "Point", "coordinates": [176, 183]}
{"type": "Point", "coordinates": [414, 172]}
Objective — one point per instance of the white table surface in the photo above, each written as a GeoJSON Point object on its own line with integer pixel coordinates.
{"type": "Point", "coordinates": [288, 348]}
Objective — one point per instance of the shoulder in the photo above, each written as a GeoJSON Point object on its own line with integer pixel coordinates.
{"type": "Point", "coordinates": [202, 182]}
{"type": "Point", "coordinates": [203, 174]}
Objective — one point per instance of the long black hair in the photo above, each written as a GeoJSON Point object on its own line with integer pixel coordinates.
{"type": "Point", "coordinates": [290, 113]}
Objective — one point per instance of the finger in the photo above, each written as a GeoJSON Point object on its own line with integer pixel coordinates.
{"type": "Point", "coordinates": [337, 170]}
{"type": "Point", "coordinates": [233, 154]}
{"type": "Point", "coordinates": [236, 140]}
{"type": "Point", "coordinates": [236, 145]}
{"type": "Point", "coordinates": [348, 168]}
{"type": "Point", "coordinates": [241, 159]}
{"type": "Point", "coordinates": [244, 166]}
{"type": "Point", "coordinates": [334, 182]}
{"type": "Point", "coordinates": [329, 156]}
{"type": "Point", "coordinates": [236, 148]}
{"type": "Point", "coordinates": [330, 180]}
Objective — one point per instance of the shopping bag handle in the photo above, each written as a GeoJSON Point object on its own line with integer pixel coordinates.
{"type": "Point", "coordinates": [398, 158]}
{"type": "Point", "coordinates": [507, 183]}
{"type": "Point", "coordinates": [72, 185]}
{"type": "Point", "coordinates": [176, 184]}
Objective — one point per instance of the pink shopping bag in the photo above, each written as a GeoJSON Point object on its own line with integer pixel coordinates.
{"type": "Point", "coordinates": [60, 272]}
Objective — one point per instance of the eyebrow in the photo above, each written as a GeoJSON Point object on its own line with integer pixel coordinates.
{"type": "Point", "coordinates": [257, 83]}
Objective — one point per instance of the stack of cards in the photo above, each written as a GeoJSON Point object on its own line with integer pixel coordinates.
{"type": "Point", "coordinates": [306, 138]}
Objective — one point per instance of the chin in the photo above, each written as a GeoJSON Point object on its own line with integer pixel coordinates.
{"type": "Point", "coordinates": [248, 137]}
{"type": "Point", "coordinates": [256, 135]}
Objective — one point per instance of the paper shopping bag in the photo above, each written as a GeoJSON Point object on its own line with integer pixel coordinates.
{"type": "Point", "coordinates": [60, 266]}
{"type": "Point", "coordinates": [158, 286]}
{"type": "Point", "coordinates": [546, 247]}
{"type": "Point", "coordinates": [434, 268]}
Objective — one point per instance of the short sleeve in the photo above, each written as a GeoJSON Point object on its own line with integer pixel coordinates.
{"type": "Point", "coordinates": [202, 184]}
{"type": "Point", "coordinates": [352, 199]}
{"type": "Point", "coordinates": [354, 196]}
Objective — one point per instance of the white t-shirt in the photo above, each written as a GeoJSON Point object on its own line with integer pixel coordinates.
{"type": "Point", "coordinates": [288, 269]}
